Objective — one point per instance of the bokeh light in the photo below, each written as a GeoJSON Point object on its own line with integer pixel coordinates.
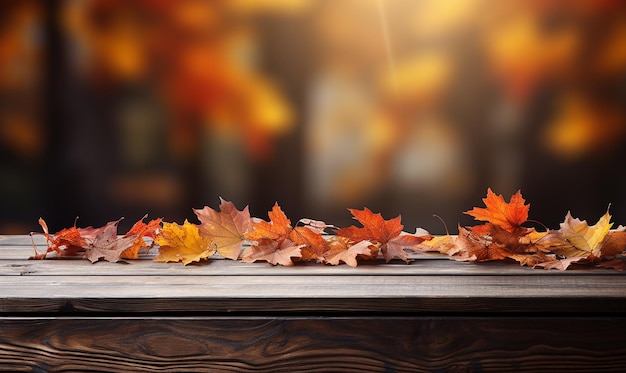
{"type": "Point", "coordinates": [115, 108]}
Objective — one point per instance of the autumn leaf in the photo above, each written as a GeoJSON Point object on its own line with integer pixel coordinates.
{"type": "Point", "coordinates": [277, 228]}
{"type": "Point", "coordinates": [141, 230]}
{"type": "Point", "coordinates": [499, 245]}
{"type": "Point", "coordinates": [316, 225]}
{"type": "Point", "coordinates": [397, 247]}
{"type": "Point", "coordinates": [509, 216]}
{"type": "Point", "coordinates": [616, 264]}
{"type": "Point", "coordinates": [442, 244]}
{"type": "Point", "coordinates": [67, 242]}
{"type": "Point", "coordinates": [307, 238]}
{"type": "Point", "coordinates": [276, 241]}
{"type": "Point", "coordinates": [182, 243]}
{"type": "Point", "coordinates": [386, 233]}
{"type": "Point", "coordinates": [145, 230]}
{"type": "Point", "coordinates": [560, 263]}
{"type": "Point", "coordinates": [342, 251]}
{"type": "Point", "coordinates": [530, 259]}
{"type": "Point", "coordinates": [226, 229]}
{"type": "Point", "coordinates": [476, 248]}
{"type": "Point", "coordinates": [585, 240]}
{"type": "Point", "coordinates": [272, 251]}
{"type": "Point", "coordinates": [614, 243]}
{"type": "Point", "coordinates": [107, 245]}
{"type": "Point", "coordinates": [99, 243]}
{"type": "Point", "coordinates": [310, 236]}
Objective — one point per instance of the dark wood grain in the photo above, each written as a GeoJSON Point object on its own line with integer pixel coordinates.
{"type": "Point", "coordinates": [332, 344]}
{"type": "Point", "coordinates": [381, 306]}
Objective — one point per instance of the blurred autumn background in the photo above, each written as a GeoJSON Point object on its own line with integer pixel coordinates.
{"type": "Point", "coordinates": [112, 108]}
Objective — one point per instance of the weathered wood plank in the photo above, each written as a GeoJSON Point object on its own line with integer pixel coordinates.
{"type": "Point", "coordinates": [300, 344]}
{"type": "Point", "coordinates": [24, 252]}
{"type": "Point", "coordinates": [22, 240]}
{"type": "Point", "coordinates": [219, 267]}
{"type": "Point", "coordinates": [305, 292]}
{"type": "Point", "coordinates": [363, 286]}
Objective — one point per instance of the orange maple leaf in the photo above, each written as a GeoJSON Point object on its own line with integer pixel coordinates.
{"type": "Point", "coordinates": [226, 229]}
{"type": "Point", "coordinates": [98, 243]}
{"type": "Point", "coordinates": [508, 216]}
{"type": "Point", "coordinates": [140, 230]}
{"type": "Point", "coordinates": [310, 235]}
{"type": "Point", "coordinates": [67, 242]}
{"type": "Point", "coordinates": [278, 234]}
{"type": "Point", "coordinates": [475, 248]}
{"type": "Point", "coordinates": [277, 228]}
{"type": "Point", "coordinates": [386, 233]}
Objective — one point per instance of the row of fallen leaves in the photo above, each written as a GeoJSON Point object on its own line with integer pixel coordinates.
{"type": "Point", "coordinates": [235, 235]}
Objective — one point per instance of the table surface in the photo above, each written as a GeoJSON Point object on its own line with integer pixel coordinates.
{"type": "Point", "coordinates": [433, 314]}
{"type": "Point", "coordinates": [429, 284]}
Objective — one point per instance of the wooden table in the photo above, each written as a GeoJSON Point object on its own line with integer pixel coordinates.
{"type": "Point", "coordinates": [432, 315]}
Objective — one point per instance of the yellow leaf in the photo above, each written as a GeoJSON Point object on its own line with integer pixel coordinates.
{"type": "Point", "coordinates": [584, 237]}
{"type": "Point", "coordinates": [182, 243]}
{"type": "Point", "coordinates": [444, 244]}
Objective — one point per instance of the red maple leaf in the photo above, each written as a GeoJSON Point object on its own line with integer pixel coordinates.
{"type": "Point", "coordinates": [66, 242]}
{"type": "Point", "coordinates": [386, 233]}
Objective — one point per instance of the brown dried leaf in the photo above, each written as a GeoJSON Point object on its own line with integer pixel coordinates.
{"type": "Point", "coordinates": [272, 251]}
{"type": "Point", "coordinates": [107, 245]}
{"type": "Point", "coordinates": [341, 251]}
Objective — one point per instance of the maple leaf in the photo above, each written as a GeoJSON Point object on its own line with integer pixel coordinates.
{"type": "Point", "coordinates": [140, 230]}
{"type": "Point", "coordinates": [386, 233]}
{"type": "Point", "coordinates": [585, 240]}
{"type": "Point", "coordinates": [182, 243]}
{"type": "Point", "coordinates": [67, 242]}
{"type": "Point", "coordinates": [509, 216]}
{"type": "Point", "coordinates": [475, 248]}
{"type": "Point", "coordinates": [442, 244]}
{"type": "Point", "coordinates": [278, 228]}
{"type": "Point", "coordinates": [277, 241]}
{"type": "Point", "coordinates": [560, 263]}
{"type": "Point", "coordinates": [342, 251]}
{"type": "Point", "coordinates": [272, 251]}
{"type": "Point", "coordinates": [310, 235]}
{"type": "Point", "coordinates": [226, 229]}
{"type": "Point", "coordinates": [470, 246]}
{"type": "Point", "coordinates": [106, 244]}
{"type": "Point", "coordinates": [93, 243]}
{"type": "Point", "coordinates": [530, 259]}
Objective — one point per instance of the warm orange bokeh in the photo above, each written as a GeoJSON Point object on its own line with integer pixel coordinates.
{"type": "Point", "coordinates": [113, 107]}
